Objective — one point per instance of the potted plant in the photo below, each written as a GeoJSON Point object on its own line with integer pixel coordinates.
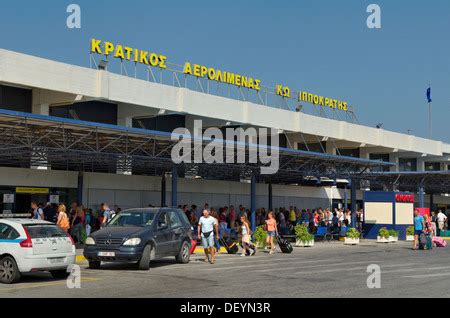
{"type": "Point", "coordinates": [383, 235]}
{"type": "Point", "coordinates": [303, 237]}
{"type": "Point", "coordinates": [410, 234]}
{"type": "Point", "coordinates": [352, 237]}
{"type": "Point", "coordinates": [260, 237]}
{"type": "Point", "coordinates": [393, 236]}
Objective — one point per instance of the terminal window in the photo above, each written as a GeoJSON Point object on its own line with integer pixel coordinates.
{"type": "Point", "coordinates": [407, 164]}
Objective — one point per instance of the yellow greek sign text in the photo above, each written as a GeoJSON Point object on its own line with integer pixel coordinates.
{"type": "Point", "coordinates": [221, 76]}
{"type": "Point", "coordinates": [201, 71]}
{"type": "Point", "coordinates": [322, 101]}
{"type": "Point", "coordinates": [127, 53]}
{"type": "Point", "coordinates": [283, 91]}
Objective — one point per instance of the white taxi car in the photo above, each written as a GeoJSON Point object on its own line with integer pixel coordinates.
{"type": "Point", "coordinates": [31, 246]}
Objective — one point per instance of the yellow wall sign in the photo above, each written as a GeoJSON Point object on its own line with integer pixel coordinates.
{"type": "Point", "coordinates": [201, 71]}
{"type": "Point", "coordinates": [127, 53]}
{"type": "Point", "coordinates": [33, 190]}
{"type": "Point", "coordinates": [221, 76]}
{"type": "Point", "coordinates": [322, 101]}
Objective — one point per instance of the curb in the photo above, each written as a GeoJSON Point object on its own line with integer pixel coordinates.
{"type": "Point", "coordinates": [80, 259]}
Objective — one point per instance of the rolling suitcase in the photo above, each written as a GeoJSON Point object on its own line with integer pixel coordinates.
{"type": "Point", "coordinates": [439, 241]}
{"type": "Point", "coordinates": [193, 246]}
{"type": "Point", "coordinates": [285, 245]}
{"type": "Point", "coordinates": [231, 247]}
{"type": "Point", "coordinates": [422, 241]}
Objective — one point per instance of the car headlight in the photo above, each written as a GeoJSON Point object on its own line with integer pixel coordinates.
{"type": "Point", "coordinates": [132, 242]}
{"type": "Point", "coordinates": [90, 241]}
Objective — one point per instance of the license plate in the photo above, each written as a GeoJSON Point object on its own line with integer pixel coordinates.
{"type": "Point", "coordinates": [56, 260]}
{"type": "Point", "coordinates": [106, 254]}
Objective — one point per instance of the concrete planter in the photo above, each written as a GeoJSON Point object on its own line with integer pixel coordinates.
{"type": "Point", "coordinates": [393, 239]}
{"type": "Point", "coordinates": [382, 239]}
{"type": "Point", "coordinates": [351, 241]}
{"type": "Point", "coordinates": [260, 245]}
{"type": "Point", "coordinates": [410, 238]}
{"type": "Point", "coordinates": [299, 243]}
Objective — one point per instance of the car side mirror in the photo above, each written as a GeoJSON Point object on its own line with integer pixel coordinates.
{"type": "Point", "coordinates": [162, 226]}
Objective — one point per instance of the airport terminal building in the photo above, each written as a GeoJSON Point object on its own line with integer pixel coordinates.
{"type": "Point", "coordinates": [102, 134]}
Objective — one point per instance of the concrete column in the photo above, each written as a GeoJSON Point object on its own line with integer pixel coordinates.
{"type": "Point", "coordinates": [421, 196]}
{"type": "Point", "coordinates": [353, 200]}
{"type": "Point", "coordinates": [80, 188]}
{"type": "Point", "coordinates": [330, 148]}
{"type": "Point", "coordinates": [253, 202]}
{"type": "Point", "coordinates": [345, 199]}
{"type": "Point", "coordinates": [124, 163]}
{"type": "Point", "coordinates": [125, 121]}
{"type": "Point", "coordinates": [393, 157]}
{"type": "Point", "coordinates": [174, 186]}
{"type": "Point", "coordinates": [270, 197]}
{"type": "Point", "coordinates": [39, 154]}
{"type": "Point", "coordinates": [420, 164]}
{"type": "Point", "coordinates": [41, 109]}
{"type": "Point", "coordinates": [163, 190]}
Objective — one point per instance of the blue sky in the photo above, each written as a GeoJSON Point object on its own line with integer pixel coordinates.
{"type": "Point", "coordinates": [322, 46]}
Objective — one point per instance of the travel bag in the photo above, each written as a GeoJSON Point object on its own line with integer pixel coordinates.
{"type": "Point", "coordinates": [439, 241]}
{"type": "Point", "coordinates": [285, 245]}
{"type": "Point", "coordinates": [230, 246]}
{"type": "Point", "coordinates": [193, 246]}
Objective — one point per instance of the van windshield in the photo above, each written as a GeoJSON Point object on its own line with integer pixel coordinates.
{"type": "Point", "coordinates": [130, 218]}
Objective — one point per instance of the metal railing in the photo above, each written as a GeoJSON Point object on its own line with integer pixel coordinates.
{"type": "Point", "coordinates": [174, 76]}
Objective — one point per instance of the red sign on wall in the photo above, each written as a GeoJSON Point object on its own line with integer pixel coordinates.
{"type": "Point", "coordinates": [406, 198]}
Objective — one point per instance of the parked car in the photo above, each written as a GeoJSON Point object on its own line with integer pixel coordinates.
{"type": "Point", "coordinates": [32, 245]}
{"type": "Point", "coordinates": [140, 236]}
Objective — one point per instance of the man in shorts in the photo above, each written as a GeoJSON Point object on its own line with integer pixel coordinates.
{"type": "Point", "coordinates": [419, 225]}
{"type": "Point", "coordinates": [207, 227]}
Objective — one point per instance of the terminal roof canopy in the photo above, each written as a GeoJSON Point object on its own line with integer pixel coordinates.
{"type": "Point", "coordinates": [66, 144]}
{"type": "Point", "coordinates": [435, 182]}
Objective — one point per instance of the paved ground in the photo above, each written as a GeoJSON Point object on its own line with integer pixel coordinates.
{"type": "Point", "coordinates": [326, 270]}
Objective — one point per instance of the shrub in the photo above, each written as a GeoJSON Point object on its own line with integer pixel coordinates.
{"type": "Point", "coordinates": [260, 235]}
{"type": "Point", "coordinates": [353, 233]}
{"type": "Point", "coordinates": [410, 230]}
{"type": "Point", "coordinates": [302, 234]}
{"type": "Point", "coordinates": [393, 233]}
{"type": "Point", "coordinates": [383, 232]}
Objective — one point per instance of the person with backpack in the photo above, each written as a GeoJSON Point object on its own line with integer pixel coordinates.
{"type": "Point", "coordinates": [78, 225]}
{"type": "Point", "coordinates": [38, 213]}
{"type": "Point", "coordinates": [247, 247]}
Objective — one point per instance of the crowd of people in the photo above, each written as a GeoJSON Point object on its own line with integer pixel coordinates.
{"type": "Point", "coordinates": [76, 220]}
{"type": "Point", "coordinates": [79, 221]}
{"type": "Point", "coordinates": [212, 224]}
{"type": "Point", "coordinates": [287, 219]}
{"type": "Point", "coordinates": [428, 227]}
